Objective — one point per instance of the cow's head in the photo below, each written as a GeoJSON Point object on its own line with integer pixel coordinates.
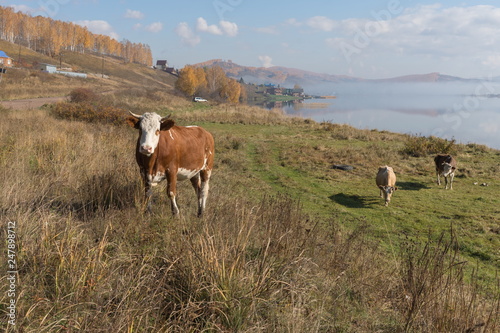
{"type": "Point", "coordinates": [149, 125]}
{"type": "Point", "coordinates": [387, 190]}
{"type": "Point", "coordinates": [447, 169]}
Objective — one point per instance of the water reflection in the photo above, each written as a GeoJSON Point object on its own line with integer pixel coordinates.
{"type": "Point", "coordinates": [293, 104]}
{"type": "Point", "coordinates": [447, 116]}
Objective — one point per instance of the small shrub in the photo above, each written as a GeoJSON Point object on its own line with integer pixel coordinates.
{"type": "Point", "coordinates": [420, 146]}
{"type": "Point", "coordinates": [80, 95]}
{"type": "Point", "coordinates": [87, 112]}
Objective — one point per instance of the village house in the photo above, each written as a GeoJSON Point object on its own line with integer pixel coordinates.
{"type": "Point", "coordinates": [52, 69]}
{"type": "Point", "coordinates": [5, 60]}
{"type": "Point", "coordinates": [161, 64]}
{"type": "Point", "coordinates": [296, 92]}
{"type": "Point", "coordinates": [274, 91]}
{"type": "Point", "coordinates": [47, 68]}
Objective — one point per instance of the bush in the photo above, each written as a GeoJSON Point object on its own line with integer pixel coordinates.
{"type": "Point", "coordinates": [92, 113]}
{"type": "Point", "coordinates": [420, 146]}
{"type": "Point", "coordinates": [80, 95]}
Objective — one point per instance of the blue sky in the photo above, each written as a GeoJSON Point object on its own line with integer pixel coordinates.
{"type": "Point", "coordinates": [369, 39]}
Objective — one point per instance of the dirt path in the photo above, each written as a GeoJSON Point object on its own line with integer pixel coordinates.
{"type": "Point", "coordinates": [30, 103]}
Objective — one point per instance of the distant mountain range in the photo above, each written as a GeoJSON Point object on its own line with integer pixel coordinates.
{"type": "Point", "coordinates": [291, 76]}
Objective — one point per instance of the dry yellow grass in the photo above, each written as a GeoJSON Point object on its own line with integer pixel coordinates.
{"type": "Point", "coordinates": [89, 260]}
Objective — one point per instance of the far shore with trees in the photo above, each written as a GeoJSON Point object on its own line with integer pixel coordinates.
{"type": "Point", "coordinates": [213, 84]}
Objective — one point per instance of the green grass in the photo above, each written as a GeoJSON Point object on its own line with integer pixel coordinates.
{"type": "Point", "coordinates": [297, 161]}
{"type": "Point", "coordinates": [281, 98]}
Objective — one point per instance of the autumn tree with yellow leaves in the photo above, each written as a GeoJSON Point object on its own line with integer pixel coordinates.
{"type": "Point", "coordinates": [51, 37]}
{"type": "Point", "coordinates": [210, 82]}
{"type": "Point", "coordinates": [187, 82]}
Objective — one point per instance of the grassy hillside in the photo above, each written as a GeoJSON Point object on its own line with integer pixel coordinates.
{"type": "Point", "coordinates": [25, 81]}
{"type": "Point", "coordinates": [288, 244]}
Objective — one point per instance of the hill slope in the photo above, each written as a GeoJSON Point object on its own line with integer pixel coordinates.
{"type": "Point", "coordinates": [106, 73]}
{"type": "Point", "coordinates": [291, 76]}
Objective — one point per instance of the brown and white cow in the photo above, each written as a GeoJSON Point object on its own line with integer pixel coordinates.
{"type": "Point", "coordinates": [167, 151]}
{"type": "Point", "coordinates": [386, 182]}
{"type": "Point", "coordinates": [445, 166]}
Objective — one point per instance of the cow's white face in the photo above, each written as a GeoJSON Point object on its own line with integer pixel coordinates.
{"type": "Point", "coordinates": [149, 125]}
{"type": "Point", "coordinates": [387, 191]}
{"type": "Point", "coordinates": [447, 169]}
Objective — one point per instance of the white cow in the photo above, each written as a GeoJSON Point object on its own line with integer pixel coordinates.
{"type": "Point", "coordinates": [386, 182]}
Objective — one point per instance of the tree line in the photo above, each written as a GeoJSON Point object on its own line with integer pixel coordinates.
{"type": "Point", "coordinates": [210, 82]}
{"type": "Point", "coordinates": [51, 37]}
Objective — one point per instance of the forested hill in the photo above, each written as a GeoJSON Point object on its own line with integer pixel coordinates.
{"type": "Point", "coordinates": [52, 37]}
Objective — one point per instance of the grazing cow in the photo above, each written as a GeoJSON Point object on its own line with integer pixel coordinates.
{"type": "Point", "coordinates": [386, 182]}
{"type": "Point", "coordinates": [445, 166]}
{"type": "Point", "coordinates": [167, 151]}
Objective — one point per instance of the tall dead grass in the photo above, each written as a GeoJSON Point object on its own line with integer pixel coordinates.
{"type": "Point", "coordinates": [90, 261]}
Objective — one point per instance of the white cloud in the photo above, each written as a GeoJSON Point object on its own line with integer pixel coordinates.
{"type": "Point", "coordinates": [433, 34]}
{"type": "Point", "coordinates": [154, 27]}
{"type": "Point", "coordinates": [99, 27]}
{"type": "Point", "coordinates": [224, 28]}
{"type": "Point", "coordinates": [134, 14]}
{"type": "Point", "coordinates": [202, 25]}
{"type": "Point", "coordinates": [266, 61]}
{"type": "Point", "coordinates": [293, 22]}
{"type": "Point", "coordinates": [321, 23]}
{"type": "Point", "coordinates": [187, 35]}
{"type": "Point", "coordinates": [23, 8]}
{"type": "Point", "coordinates": [229, 28]}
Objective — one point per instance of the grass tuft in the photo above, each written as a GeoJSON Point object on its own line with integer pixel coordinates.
{"type": "Point", "coordinates": [419, 146]}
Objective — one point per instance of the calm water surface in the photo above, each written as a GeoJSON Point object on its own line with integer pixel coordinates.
{"type": "Point", "coordinates": [465, 118]}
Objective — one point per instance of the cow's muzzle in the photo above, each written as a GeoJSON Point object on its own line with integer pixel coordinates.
{"type": "Point", "coordinates": [146, 150]}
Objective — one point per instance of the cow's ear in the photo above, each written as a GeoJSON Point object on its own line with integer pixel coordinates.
{"type": "Point", "coordinates": [167, 124]}
{"type": "Point", "coordinates": [133, 122]}
{"type": "Point", "coordinates": [381, 187]}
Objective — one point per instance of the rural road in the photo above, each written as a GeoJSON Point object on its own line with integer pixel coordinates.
{"type": "Point", "coordinates": [30, 103]}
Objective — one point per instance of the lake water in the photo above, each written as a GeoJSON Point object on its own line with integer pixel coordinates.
{"type": "Point", "coordinates": [444, 112]}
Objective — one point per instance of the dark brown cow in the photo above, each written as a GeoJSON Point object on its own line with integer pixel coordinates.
{"type": "Point", "coordinates": [445, 166]}
{"type": "Point", "coordinates": [167, 151]}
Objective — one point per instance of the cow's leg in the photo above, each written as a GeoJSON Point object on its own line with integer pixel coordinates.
{"type": "Point", "coordinates": [205, 179]}
{"type": "Point", "coordinates": [452, 175]}
{"type": "Point", "coordinates": [148, 193]}
{"type": "Point", "coordinates": [195, 181]}
{"type": "Point", "coordinates": [386, 196]}
{"type": "Point", "coordinates": [171, 191]}
{"type": "Point", "coordinates": [438, 179]}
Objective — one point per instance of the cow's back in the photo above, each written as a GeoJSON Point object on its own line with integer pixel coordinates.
{"type": "Point", "coordinates": [385, 176]}
{"type": "Point", "coordinates": [439, 159]}
{"type": "Point", "coordinates": [190, 147]}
